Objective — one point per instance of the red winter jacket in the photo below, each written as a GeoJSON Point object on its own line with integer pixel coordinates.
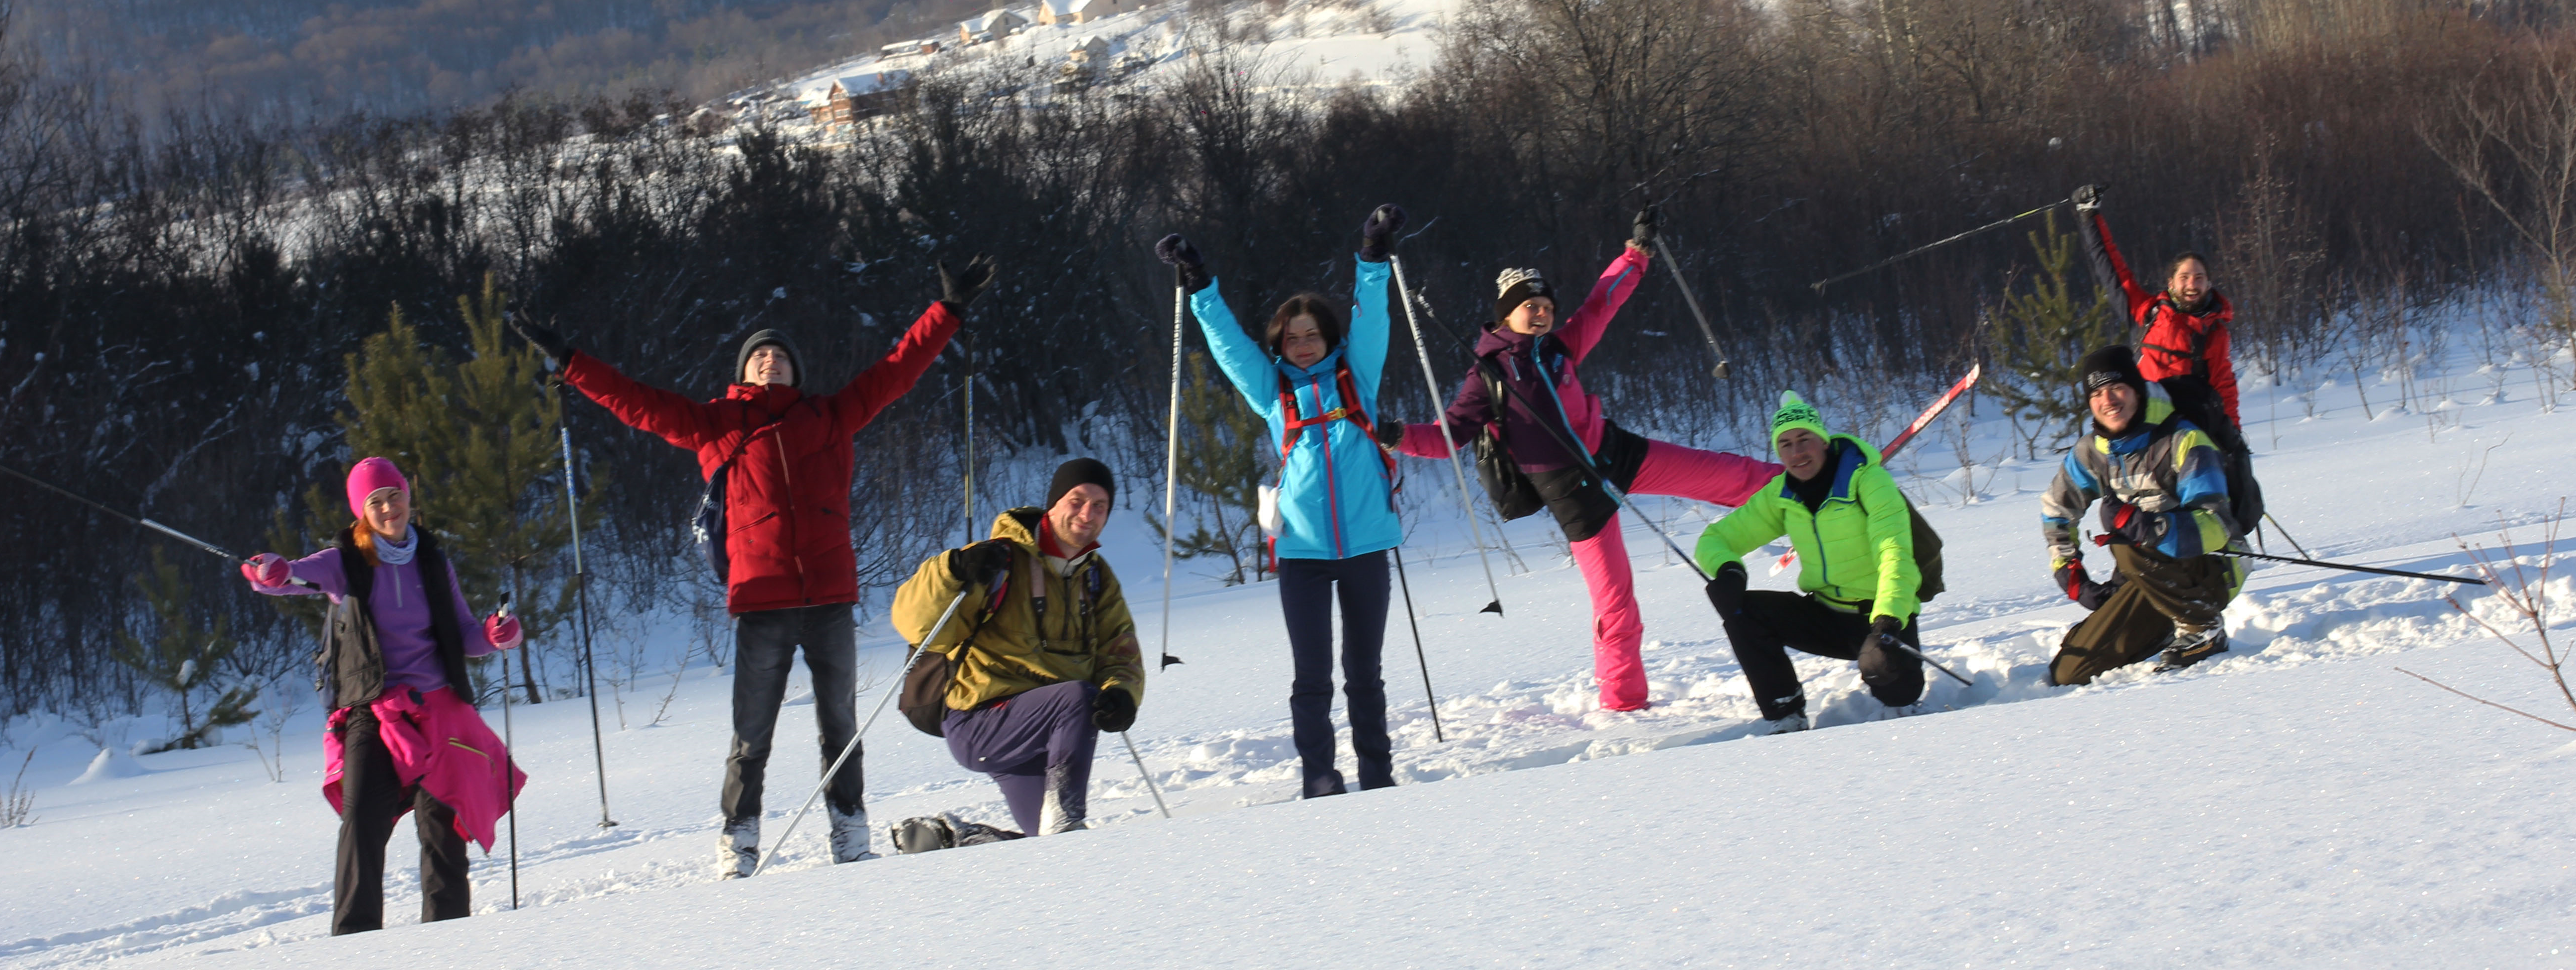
{"type": "Point", "coordinates": [2176, 344]}
{"type": "Point", "coordinates": [787, 501]}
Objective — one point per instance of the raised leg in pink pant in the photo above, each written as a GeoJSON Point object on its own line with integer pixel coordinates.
{"type": "Point", "coordinates": [1617, 629]}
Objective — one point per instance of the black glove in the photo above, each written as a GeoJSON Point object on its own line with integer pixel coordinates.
{"type": "Point", "coordinates": [2088, 197]}
{"type": "Point", "coordinates": [2126, 523]}
{"type": "Point", "coordinates": [1726, 589]}
{"type": "Point", "coordinates": [1187, 269]}
{"type": "Point", "coordinates": [979, 562]}
{"type": "Point", "coordinates": [1885, 660]}
{"type": "Point", "coordinates": [2081, 588]}
{"type": "Point", "coordinates": [1882, 631]}
{"type": "Point", "coordinates": [1390, 433]}
{"type": "Point", "coordinates": [1643, 231]}
{"type": "Point", "coordinates": [957, 288]}
{"type": "Point", "coordinates": [1113, 710]}
{"type": "Point", "coordinates": [550, 343]}
{"type": "Point", "coordinates": [1377, 235]}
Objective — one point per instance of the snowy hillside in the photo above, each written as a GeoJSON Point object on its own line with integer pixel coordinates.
{"type": "Point", "coordinates": [1306, 43]}
{"type": "Point", "coordinates": [2297, 802]}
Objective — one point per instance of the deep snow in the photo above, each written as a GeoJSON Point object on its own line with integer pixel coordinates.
{"type": "Point", "coordinates": [2296, 802]}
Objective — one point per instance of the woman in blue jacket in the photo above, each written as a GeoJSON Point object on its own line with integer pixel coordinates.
{"type": "Point", "coordinates": [1314, 379]}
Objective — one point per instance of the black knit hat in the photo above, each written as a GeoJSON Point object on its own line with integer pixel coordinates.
{"type": "Point", "coordinates": [2115, 364]}
{"type": "Point", "coordinates": [795, 361]}
{"type": "Point", "coordinates": [1517, 286]}
{"type": "Point", "coordinates": [1080, 471]}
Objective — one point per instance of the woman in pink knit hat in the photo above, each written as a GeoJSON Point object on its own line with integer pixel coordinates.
{"type": "Point", "coordinates": [404, 735]}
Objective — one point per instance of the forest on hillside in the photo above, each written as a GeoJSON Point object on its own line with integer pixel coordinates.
{"type": "Point", "coordinates": [182, 298]}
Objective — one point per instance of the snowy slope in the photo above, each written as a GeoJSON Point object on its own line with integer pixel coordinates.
{"type": "Point", "coordinates": [2297, 802]}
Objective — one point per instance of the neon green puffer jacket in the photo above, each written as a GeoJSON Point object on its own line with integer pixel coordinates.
{"type": "Point", "coordinates": [1858, 547]}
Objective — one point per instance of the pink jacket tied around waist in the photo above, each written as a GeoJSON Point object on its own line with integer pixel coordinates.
{"type": "Point", "coordinates": [440, 743]}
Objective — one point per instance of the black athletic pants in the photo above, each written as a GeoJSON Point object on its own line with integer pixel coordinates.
{"type": "Point", "coordinates": [1306, 594]}
{"type": "Point", "coordinates": [764, 644]}
{"type": "Point", "coordinates": [1772, 620]}
{"type": "Point", "coordinates": [372, 799]}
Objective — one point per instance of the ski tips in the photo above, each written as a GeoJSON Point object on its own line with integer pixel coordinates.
{"type": "Point", "coordinates": [1495, 608]}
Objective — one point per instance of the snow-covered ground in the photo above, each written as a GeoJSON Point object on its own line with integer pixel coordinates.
{"type": "Point", "coordinates": [2297, 802]}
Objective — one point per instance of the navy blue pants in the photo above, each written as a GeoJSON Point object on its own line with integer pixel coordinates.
{"type": "Point", "coordinates": [1306, 594]}
{"type": "Point", "coordinates": [1037, 745]}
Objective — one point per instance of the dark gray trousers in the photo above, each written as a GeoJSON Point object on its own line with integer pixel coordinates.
{"type": "Point", "coordinates": [764, 644]}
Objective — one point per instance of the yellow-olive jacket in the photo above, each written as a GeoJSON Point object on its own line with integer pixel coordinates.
{"type": "Point", "coordinates": [1046, 627]}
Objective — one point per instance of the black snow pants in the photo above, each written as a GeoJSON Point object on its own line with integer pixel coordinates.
{"type": "Point", "coordinates": [1772, 621]}
{"type": "Point", "coordinates": [372, 799]}
{"type": "Point", "coordinates": [1306, 595]}
{"type": "Point", "coordinates": [764, 644]}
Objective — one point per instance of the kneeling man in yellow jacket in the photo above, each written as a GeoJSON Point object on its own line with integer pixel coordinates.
{"type": "Point", "coordinates": [1045, 657]}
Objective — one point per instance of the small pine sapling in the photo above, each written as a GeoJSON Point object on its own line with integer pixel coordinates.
{"type": "Point", "coordinates": [183, 659]}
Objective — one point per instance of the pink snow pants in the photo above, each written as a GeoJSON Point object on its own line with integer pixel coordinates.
{"type": "Point", "coordinates": [1617, 630]}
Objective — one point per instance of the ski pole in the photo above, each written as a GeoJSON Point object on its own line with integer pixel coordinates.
{"type": "Point", "coordinates": [146, 523]}
{"type": "Point", "coordinates": [510, 743]}
{"type": "Point", "coordinates": [1565, 439]}
{"type": "Point", "coordinates": [1148, 776]}
{"type": "Point", "coordinates": [970, 438]}
{"type": "Point", "coordinates": [1920, 655]}
{"type": "Point", "coordinates": [1819, 285]}
{"type": "Point", "coordinates": [1721, 371]}
{"type": "Point", "coordinates": [2463, 580]}
{"type": "Point", "coordinates": [1431, 386]}
{"type": "Point", "coordinates": [1409, 620]}
{"type": "Point", "coordinates": [581, 592]}
{"type": "Point", "coordinates": [847, 749]}
{"type": "Point", "coordinates": [2285, 534]}
{"type": "Point", "coordinates": [1172, 471]}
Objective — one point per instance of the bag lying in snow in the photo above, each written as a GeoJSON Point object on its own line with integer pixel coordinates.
{"type": "Point", "coordinates": [929, 832]}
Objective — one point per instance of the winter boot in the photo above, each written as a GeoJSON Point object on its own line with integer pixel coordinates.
{"type": "Point", "coordinates": [2190, 647]}
{"type": "Point", "coordinates": [1067, 807]}
{"type": "Point", "coordinates": [850, 835]}
{"type": "Point", "coordinates": [1793, 721]}
{"type": "Point", "coordinates": [738, 851]}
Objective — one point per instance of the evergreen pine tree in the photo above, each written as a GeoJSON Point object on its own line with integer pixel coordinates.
{"type": "Point", "coordinates": [1223, 444]}
{"type": "Point", "coordinates": [477, 440]}
{"type": "Point", "coordinates": [184, 657]}
{"type": "Point", "coordinates": [2040, 337]}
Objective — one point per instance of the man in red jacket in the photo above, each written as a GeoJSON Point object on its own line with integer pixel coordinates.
{"type": "Point", "coordinates": [2185, 344]}
{"type": "Point", "coordinates": [791, 574]}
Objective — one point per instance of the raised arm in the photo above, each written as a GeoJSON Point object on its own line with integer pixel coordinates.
{"type": "Point", "coordinates": [1584, 328]}
{"type": "Point", "coordinates": [1364, 348]}
{"type": "Point", "coordinates": [858, 402]}
{"type": "Point", "coordinates": [1236, 353]}
{"type": "Point", "coordinates": [676, 419]}
{"type": "Point", "coordinates": [2110, 269]}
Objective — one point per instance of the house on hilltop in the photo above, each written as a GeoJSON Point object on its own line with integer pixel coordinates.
{"type": "Point", "coordinates": [859, 96]}
{"type": "Point", "coordinates": [1058, 12]}
{"type": "Point", "coordinates": [993, 24]}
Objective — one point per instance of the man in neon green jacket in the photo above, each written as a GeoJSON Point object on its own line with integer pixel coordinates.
{"type": "Point", "coordinates": [1855, 542]}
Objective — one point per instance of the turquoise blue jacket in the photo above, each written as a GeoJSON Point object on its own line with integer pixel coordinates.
{"type": "Point", "coordinates": [1336, 499]}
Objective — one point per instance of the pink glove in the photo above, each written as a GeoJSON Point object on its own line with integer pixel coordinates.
{"type": "Point", "coordinates": [267, 569]}
{"type": "Point", "coordinates": [503, 631]}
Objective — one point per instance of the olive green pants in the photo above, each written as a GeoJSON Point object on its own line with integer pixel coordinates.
{"type": "Point", "coordinates": [2156, 595]}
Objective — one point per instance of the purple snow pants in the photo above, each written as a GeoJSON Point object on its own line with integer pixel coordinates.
{"type": "Point", "coordinates": [1037, 745]}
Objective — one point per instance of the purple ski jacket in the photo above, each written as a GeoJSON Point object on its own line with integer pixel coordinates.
{"type": "Point", "coordinates": [1542, 369]}
{"type": "Point", "coordinates": [399, 605]}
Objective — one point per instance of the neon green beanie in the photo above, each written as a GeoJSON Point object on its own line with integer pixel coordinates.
{"type": "Point", "coordinates": [1795, 412]}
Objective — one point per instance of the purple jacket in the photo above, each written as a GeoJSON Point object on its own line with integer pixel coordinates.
{"type": "Point", "coordinates": [1542, 370]}
{"type": "Point", "coordinates": [399, 604]}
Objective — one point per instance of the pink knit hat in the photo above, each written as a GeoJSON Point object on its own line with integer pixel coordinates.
{"type": "Point", "coordinates": [370, 475]}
